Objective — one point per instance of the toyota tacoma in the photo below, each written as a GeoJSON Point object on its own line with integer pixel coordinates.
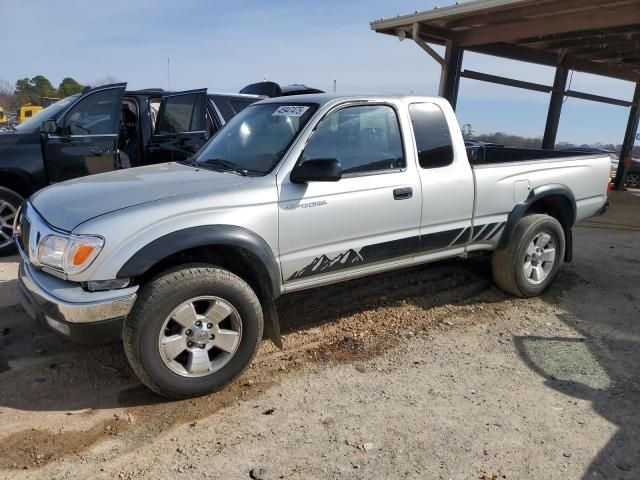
{"type": "Point", "coordinates": [183, 260]}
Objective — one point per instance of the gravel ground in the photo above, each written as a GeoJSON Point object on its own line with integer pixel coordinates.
{"type": "Point", "coordinates": [430, 372]}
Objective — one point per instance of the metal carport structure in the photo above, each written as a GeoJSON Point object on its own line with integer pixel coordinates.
{"type": "Point", "coordinates": [600, 37]}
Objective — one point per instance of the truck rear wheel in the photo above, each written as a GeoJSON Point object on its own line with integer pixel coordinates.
{"type": "Point", "coordinates": [531, 260]}
{"type": "Point", "coordinates": [192, 331]}
{"type": "Point", "coordinates": [10, 201]}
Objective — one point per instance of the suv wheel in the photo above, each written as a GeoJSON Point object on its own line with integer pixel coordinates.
{"type": "Point", "coordinates": [632, 180]}
{"type": "Point", "coordinates": [532, 258]}
{"type": "Point", "coordinates": [10, 201]}
{"type": "Point", "coordinates": [192, 331]}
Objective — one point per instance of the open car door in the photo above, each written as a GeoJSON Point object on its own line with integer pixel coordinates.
{"type": "Point", "coordinates": [83, 140]}
{"type": "Point", "coordinates": [180, 128]}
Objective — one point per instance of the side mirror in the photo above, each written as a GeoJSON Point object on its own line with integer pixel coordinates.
{"type": "Point", "coordinates": [49, 126]}
{"type": "Point", "coordinates": [317, 170]}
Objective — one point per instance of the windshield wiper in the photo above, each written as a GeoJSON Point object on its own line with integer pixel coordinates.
{"type": "Point", "coordinates": [222, 165]}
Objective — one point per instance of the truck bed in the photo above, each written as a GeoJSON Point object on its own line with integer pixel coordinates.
{"type": "Point", "coordinates": [511, 174]}
{"type": "Point", "coordinates": [488, 154]}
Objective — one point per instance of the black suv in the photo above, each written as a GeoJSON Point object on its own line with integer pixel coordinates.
{"type": "Point", "coordinates": [108, 128]}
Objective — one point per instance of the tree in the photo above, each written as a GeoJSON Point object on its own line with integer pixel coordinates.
{"type": "Point", "coordinates": [8, 99]}
{"type": "Point", "coordinates": [467, 131]}
{"type": "Point", "coordinates": [69, 86]}
{"type": "Point", "coordinates": [32, 90]}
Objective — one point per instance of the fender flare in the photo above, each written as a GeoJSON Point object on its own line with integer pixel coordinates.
{"type": "Point", "coordinates": [22, 176]}
{"type": "Point", "coordinates": [536, 194]}
{"type": "Point", "coordinates": [210, 235]}
{"type": "Point", "coordinates": [202, 236]}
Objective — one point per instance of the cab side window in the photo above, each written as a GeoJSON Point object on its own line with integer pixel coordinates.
{"type": "Point", "coordinates": [433, 139]}
{"type": "Point", "coordinates": [182, 113]}
{"type": "Point", "coordinates": [96, 114]}
{"type": "Point", "coordinates": [364, 139]}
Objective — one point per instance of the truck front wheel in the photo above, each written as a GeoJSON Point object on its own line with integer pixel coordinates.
{"type": "Point", "coordinates": [527, 265]}
{"type": "Point", "coordinates": [192, 331]}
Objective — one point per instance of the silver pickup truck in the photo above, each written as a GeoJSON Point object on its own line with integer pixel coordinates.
{"type": "Point", "coordinates": [183, 261]}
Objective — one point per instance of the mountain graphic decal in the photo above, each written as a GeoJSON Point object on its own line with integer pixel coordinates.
{"type": "Point", "coordinates": [324, 264]}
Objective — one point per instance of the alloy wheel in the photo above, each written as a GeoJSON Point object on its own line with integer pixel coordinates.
{"type": "Point", "coordinates": [540, 258]}
{"type": "Point", "coordinates": [7, 216]}
{"type": "Point", "coordinates": [633, 180]}
{"type": "Point", "coordinates": [200, 336]}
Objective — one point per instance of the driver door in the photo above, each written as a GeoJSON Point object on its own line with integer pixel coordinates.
{"type": "Point", "coordinates": [85, 141]}
{"type": "Point", "coordinates": [180, 128]}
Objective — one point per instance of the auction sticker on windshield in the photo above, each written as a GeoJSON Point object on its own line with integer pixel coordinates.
{"type": "Point", "coordinates": [290, 111]}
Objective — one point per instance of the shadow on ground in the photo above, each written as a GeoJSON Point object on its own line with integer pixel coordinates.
{"type": "Point", "coordinates": [604, 369]}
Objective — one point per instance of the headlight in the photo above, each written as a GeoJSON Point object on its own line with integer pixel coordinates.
{"type": "Point", "coordinates": [70, 254]}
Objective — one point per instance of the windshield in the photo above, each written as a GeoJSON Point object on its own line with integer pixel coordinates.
{"type": "Point", "coordinates": [255, 140]}
{"type": "Point", "coordinates": [34, 123]}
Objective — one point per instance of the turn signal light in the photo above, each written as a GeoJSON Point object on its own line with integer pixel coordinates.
{"type": "Point", "coordinates": [82, 254]}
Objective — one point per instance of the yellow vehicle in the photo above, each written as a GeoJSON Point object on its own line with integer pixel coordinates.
{"type": "Point", "coordinates": [25, 112]}
{"type": "Point", "coordinates": [3, 117]}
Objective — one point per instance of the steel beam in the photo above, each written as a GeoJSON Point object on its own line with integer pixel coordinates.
{"type": "Point", "coordinates": [415, 34]}
{"type": "Point", "coordinates": [450, 77]}
{"type": "Point", "coordinates": [629, 138]}
{"type": "Point", "coordinates": [598, 98]}
{"type": "Point", "coordinates": [485, 77]}
{"type": "Point", "coordinates": [555, 107]}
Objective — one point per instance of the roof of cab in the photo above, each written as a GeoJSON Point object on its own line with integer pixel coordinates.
{"type": "Point", "coordinates": [325, 98]}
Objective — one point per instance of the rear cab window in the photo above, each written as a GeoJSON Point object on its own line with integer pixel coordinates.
{"type": "Point", "coordinates": [433, 138]}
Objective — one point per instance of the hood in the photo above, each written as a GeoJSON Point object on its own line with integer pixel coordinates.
{"type": "Point", "coordinates": [68, 204]}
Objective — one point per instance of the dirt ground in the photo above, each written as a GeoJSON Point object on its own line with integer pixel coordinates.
{"type": "Point", "coordinates": [424, 373]}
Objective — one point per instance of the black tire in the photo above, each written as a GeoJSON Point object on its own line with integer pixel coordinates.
{"type": "Point", "coordinates": [508, 263]}
{"type": "Point", "coordinates": [632, 180]}
{"type": "Point", "coordinates": [14, 200]}
{"type": "Point", "coordinates": [159, 298]}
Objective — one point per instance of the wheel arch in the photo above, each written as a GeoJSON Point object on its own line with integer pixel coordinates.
{"type": "Point", "coordinates": [555, 200]}
{"type": "Point", "coordinates": [16, 181]}
{"type": "Point", "coordinates": [237, 249]}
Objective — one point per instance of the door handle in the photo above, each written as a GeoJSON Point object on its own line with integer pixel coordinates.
{"type": "Point", "coordinates": [403, 193]}
{"type": "Point", "coordinates": [98, 153]}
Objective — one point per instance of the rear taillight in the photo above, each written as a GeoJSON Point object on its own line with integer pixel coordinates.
{"type": "Point", "coordinates": [609, 188]}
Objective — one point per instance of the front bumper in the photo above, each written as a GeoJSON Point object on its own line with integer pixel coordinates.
{"type": "Point", "coordinates": [67, 309]}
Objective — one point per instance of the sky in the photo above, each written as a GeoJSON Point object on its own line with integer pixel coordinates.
{"type": "Point", "coordinates": [226, 44]}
